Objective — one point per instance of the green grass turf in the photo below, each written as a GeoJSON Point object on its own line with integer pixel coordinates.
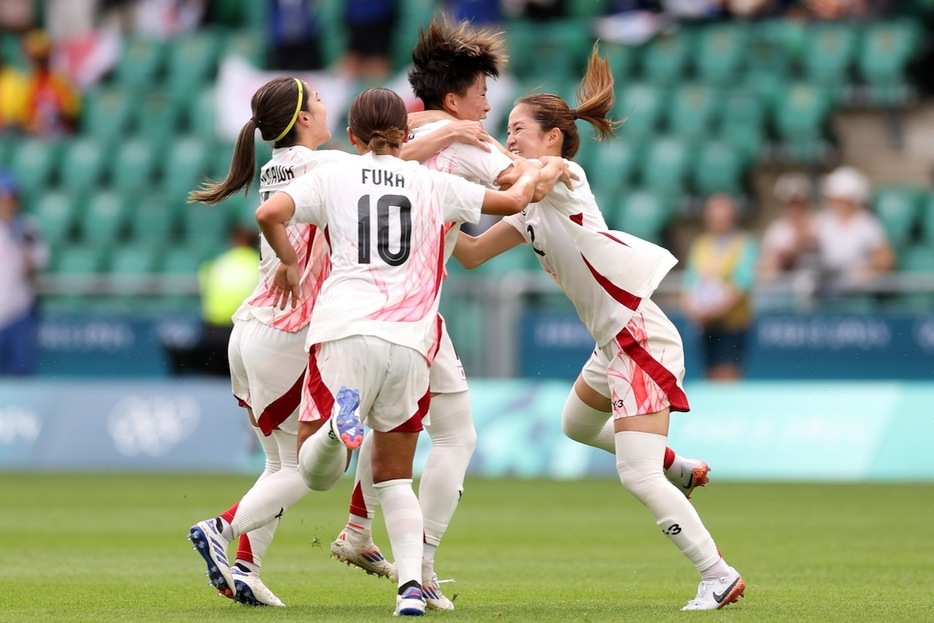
{"type": "Point", "coordinates": [112, 548]}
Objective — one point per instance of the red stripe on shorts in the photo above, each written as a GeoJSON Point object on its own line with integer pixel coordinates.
{"type": "Point", "coordinates": [281, 408]}
{"type": "Point", "coordinates": [677, 399]}
{"type": "Point", "coordinates": [414, 423]}
{"type": "Point", "coordinates": [320, 394]}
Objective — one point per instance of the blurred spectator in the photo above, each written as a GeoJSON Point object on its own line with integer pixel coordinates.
{"type": "Point", "coordinates": [294, 35]}
{"type": "Point", "coordinates": [13, 95]}
{"type": "Point", "coordinates": [370, 26]}
{"type": "Point", "coordinates": [718, 280]}
{"type": "Point", "coordinates": [837, 9]}
{"type": "Point", "coordinates": [52, 102]}
{"type": "Point", "coordinates": [852, 242]}
{"type": "Point", "coordinates": [22, 255]}
{"type": "Point", "coordinates": [790, 242]}
{"type": "Point", "coordinates": [224, 282]}
{"type": "Point", "coordinates": [65, 19]}
{"type": "Point", "coordinates": [17, 15]}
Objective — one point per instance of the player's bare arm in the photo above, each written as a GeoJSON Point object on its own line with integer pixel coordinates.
{"type": "Point", "coordinates": [472, 251]}
{"type": "Point", "coordinates": [271, 216]}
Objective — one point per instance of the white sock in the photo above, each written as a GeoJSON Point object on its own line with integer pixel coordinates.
{"type": "Point", "coordinates": [453, 439]}
{"type": "Point", "coordinates": [404, 525]}
{"type": "Point", "coordinates": [272, 494]}
{"type": "Point", "coordinates": [253, 545]}
{"type": "Point", "coordinates": [639, 459]}
{"type": "Point", "coordinates": [322, 459]}
{"type": "Point", "coordinates": [586, 425]}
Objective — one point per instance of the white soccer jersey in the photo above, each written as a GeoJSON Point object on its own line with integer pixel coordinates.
{"type": "Point", "coordinates": [605, 274]}
{"type": "Point", "coordinates": [384, 220]}
{"type": "Point", "coordinates": [466, 161]}
{"type": "Point", "coordinates": [285, 166]}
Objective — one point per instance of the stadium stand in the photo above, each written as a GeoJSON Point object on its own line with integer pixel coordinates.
{"type": "Point", "coordinates": [706, 106]}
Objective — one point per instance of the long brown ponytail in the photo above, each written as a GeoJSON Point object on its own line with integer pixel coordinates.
{"type": "Point", "coordinates": [595, 99]}
{"type": "Point", "coordinates": [275, 107]}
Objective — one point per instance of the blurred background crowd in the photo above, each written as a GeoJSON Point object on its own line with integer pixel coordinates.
{"type": "Point", "coordinates": [782, 149]}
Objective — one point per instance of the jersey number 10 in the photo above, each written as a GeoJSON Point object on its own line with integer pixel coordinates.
{"type": "Point", "coordinates": [384, 210]}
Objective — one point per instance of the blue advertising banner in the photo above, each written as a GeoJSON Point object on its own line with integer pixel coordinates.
{"type": "Point", "coordinates": [751, 431]}
{"type": "Point", "coordinates": [891, 346]}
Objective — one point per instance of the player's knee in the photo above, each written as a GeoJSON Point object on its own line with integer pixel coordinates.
{"type": "Point", "coordinates": [642, 478]}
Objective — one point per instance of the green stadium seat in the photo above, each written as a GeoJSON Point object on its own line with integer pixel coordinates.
{"type": "Point", "coordinates": [665, 58]}
{"type": "Point", "coordinates": [141, 62]}
{"type": "Point", "coordinates": [642, 213]}
{"type": "Point", "coordinates": [192, 62]}
{"type": "Point", "coordinates": [55, 213]}
{"type": "Point", "coordinates": [413, 15]}
{"type": "Point", "coordinates": [611, 167]}
{"type": "Point", "coordinates": [83, 165]}
{"type": "Point", "coordinates": [135, 165]}
{"type": "Point", "coordinates": [776, 45]}
{"type": "Point", "coordinates": [35, 164]}
{"type": "Point", "coordinates": [692, 110]}
{"type": "Point", "coordinates": [153, 220]}
{"type": "Point", "coordinates": [624, 61]}
{"type": "Point", "coordinates": [202, 114]}
{"type": "Point", "coordinates": [641, 105]}
{"type": "Point", "coordinates": [898, 208]}
{"type": "Point", "coordinates": [187, 162]}
{"type": "Point", "coordinates": [829, 55]}
{"type": "Point", "coordinates": [721, 52]}
{"type": "Point", "coordinates": [183, 260]}
{"type": "Point", "coordinates": [742, 121]}
{"type": "Point", "coordinates": [77, 268]}
{"type": "Point", "coordinates": [247, 44]}
{"type": "Point", "coordinates": [917, 259]}
{"type": "Point", "coordinates": [157, 118]}
{"type": "Point", "coordinates": [104, 220]}
{"type": "Point", "coordinates": [547, 56]}
{"type": "Point", "coordinates": [205, 225]}
{"type": "Point", "coordinates": [881, 60]}
{"type": "Point", "coordinates": [718, 167]}
{"type": "Point", "coordinates": [107, 112]}
{"type": "Point", "coordinates": [665, 166]}
{"type": "Point", "coordinates": [134, 260]}
{"type": "Point", "coordinates": [800, 118]}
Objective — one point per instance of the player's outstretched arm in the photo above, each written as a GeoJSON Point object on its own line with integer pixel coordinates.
{"type": "Point", "coordinates": [462, 131]}
{"type": "Point", "coordinates": [271, 216]}
{"type": "Point", "coordinates": [515, 198]}
{"type": "Point", "coordinates": [471, 251]}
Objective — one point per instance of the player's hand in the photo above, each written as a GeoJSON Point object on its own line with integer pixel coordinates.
{"type": "Point", "coordinates": [520, 167]}
{"type": "Point", "coordinates": [471, 133]}
{"type": "Point", "coordinates": [286, 287]}
{"type": "Point", "coordinates": [562, 170]}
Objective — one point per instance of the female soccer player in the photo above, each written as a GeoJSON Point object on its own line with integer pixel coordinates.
{"type": "Point", "coordinates": [637, 367]}
{"type": "Point", "coordinates": [267, 346]}
{"type": "Point", "coordinates": [375, 326]}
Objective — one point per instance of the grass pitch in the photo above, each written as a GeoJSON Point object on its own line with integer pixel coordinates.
{"type": "Point", "coordinates": [113, 548]}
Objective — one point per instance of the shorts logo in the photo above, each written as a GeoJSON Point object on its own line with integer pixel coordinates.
{"type": "Point", "coordinates": [152, 425]}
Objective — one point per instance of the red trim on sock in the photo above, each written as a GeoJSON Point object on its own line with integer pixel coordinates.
{"type": "Point", "coordinates": [669, 458]}
{"type": "Point", "coordinates": [228, 515]}
{"type": "Point", "coordinates": [244, 549]}
{"type": "Point", "coordinates": [357, 503]}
